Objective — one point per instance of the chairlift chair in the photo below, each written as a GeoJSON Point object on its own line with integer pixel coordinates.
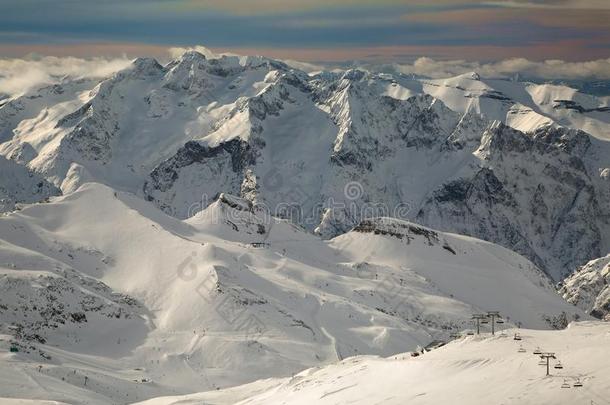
{"type": "Point", "coordinates": [484, 321]}
{"type": "Point", "coordinates": [565, 384]}
{"type": "Point", "coordinates": [558, 366]}
{"type": "Point", "coordinates": [517, 336]}
{"type": "Point", "coordinates": [470, 333]}
{"type": "Point", "coordinates": [499, 320]}
{"type": "Point", "coordinates": [578, 384]}
{"type": "Point", "coordinates": [521, 349]}
{"type": "Point", "coordinates": [537, 351]}
{"type": "Point", "coordinates": [542, 363]}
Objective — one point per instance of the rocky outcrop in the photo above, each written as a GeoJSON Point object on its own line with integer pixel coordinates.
{"type": "Point", "coordinates": [49, 306]}
{"type": "Point", "coordinates": [589, 288]}
{"type": "Point", "coordinates": [20, 185]}
{"type": "Point", "coordinates": [201, 171]}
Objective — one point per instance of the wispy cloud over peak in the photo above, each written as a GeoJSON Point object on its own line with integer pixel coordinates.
{"type": "Point", "coordinates": [22, 74]}
{"type": "Point", "coordinates": [548, 69]}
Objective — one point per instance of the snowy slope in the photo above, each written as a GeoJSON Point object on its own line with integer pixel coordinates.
{"type": "Point", "coordinates": [180, 134]}
{"type": "Point", "coordinates": [456, 272]}
{"type": "Point", "coordinates": [468, 370]}
{"type": "Point", "coordinates": [101, 284]}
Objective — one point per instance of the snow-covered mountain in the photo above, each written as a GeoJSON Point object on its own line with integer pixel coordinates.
{"type": "Point", "coordinates": [428, 151]}
{"type": "Point", "coordinates": [219, 220]}
{"type": "Point", "coordinates": [589, 288]}
{"type": "Point", "coordinates": [100, 284]}
{"type": "Point", "coordinates": [451, 374]}
{"type": "Point", "coordinates": [524, 106]}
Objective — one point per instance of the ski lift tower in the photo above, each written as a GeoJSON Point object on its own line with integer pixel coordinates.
{"type": "Point", "coordinates": [547, 357]}
{"type": "Point", "coordinates": [478, 318]}
{"type": "Point", "coordinates": [493, 315]}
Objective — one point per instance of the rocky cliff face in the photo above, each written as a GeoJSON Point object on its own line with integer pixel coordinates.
{"type": "Point", "coordinates": [530, 192]}
{"type": "Point", "coordinates": [330, 150]}
{"type": "Point", "coordinates": [197, 167]}
{"type": "Point", "coordinates": [20, 185]}
{"type": "Point", "coordinates": [589, 288]}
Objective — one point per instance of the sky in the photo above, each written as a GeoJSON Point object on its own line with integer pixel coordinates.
{"type": "Point", "coordinates": [312, 30]}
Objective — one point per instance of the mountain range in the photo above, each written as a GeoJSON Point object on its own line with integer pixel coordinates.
{"type": "Point", "coordinates": [213, 221]}
{"type": "Point", "coordinates": [522, 165]}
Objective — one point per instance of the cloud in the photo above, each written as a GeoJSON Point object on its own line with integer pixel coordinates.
{"type": "Point", "coordinates": [549, 69]}
{"type": "Point", "coordinates": [176, 52]}
{"type": "Point", "coordinates": [559, 49]}
{"type": "Point", "coordinates": [267, 7]}
{"type": "Point", "coordinates": [582, 19]}
{"type": "Point", "coordinates": [20, 75]}
{"type": "Point", "coordinates": [287, 6]}
{"type": "Point", "coordinates": [283, 6]}
{"type": "Point", "coordinates": [469, 29]}
{"type": "Point", "coordinates": [555, 4]}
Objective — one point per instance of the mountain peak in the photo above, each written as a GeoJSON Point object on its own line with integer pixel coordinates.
{"type": "Point", "coordinates": [354, 75]}
{"type": "Point", "coordinates": [192, 55]}
{"type": "Point", "coordinates": [471, 76]}
{"type": "Point", "coordinates": [146, 65]}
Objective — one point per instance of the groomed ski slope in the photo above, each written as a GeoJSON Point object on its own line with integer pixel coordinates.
{"type": "Point", "coordinates": [470, 370]}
